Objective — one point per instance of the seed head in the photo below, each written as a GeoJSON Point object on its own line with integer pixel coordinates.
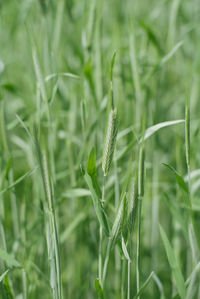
{"type": "Point", "coordinates": [110, 140]}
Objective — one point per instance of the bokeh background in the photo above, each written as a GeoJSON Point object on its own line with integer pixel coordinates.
{"type": "Point", "coordinates": [55, 59]}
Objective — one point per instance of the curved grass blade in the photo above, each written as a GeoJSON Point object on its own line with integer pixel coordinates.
{"type": "Point", "coordinates": [174, 265]}
{"type": "Point", "coordinates": [3, 275]}
{"type": "Point", "coordinates": [101, 215]}
{"type": "Point", "coordinates": [55, 75]}
{"type": "Point", "coordinates": [151, 130]}
{"type": "Point", "coordinates": [115, 232]}
{"type": "Point", "coordinates": [116, 229]}
{"type": "Point", "coordinates": [125, 251]}
{"type": "Point", "coordinates": [178, 177]}
{"type": "Point", "coordinates": [92, 171]}
{"type": "Point", "coordinates": [143, 287]}
{"type": "Point", "coordinates": [6, 290]}
{"type": "Point", "coordinates": [171, 53]}
{"type": "Point", "coordinates": [159, 285]}
{"type": "Point", "coordinates": [189, 281]}
{"type": "Point", "coordinates": [148, 133]}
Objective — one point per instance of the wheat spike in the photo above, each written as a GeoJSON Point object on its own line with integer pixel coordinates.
{"type": "Point", "coordinates": [110, 141]}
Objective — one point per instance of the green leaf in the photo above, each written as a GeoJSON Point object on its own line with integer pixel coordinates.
{"type": "Point", "coordinates": [145, 284]}
{"type": "Point", "coordinates": [132, 204]}
{"type": "Point", "coordinates": [8, 167]}
{"type": "Point", "coordinates": [178, 177]}
{"type": "Point", "coordinates": [159, 285]}
{"type": "Point", "coordinates": [91, 170]}
{"type": "Point", "coordinates": [6, 289]}
{"type": "Point", "coordinates": [151, 130]}
{"type": "Point", "coordinates": [91, 165]}
{"type": "Point", "coordinates": [9, 259]}
{"type": "Point", "coordinates": [55, 75]}
{"type": "Point", "coordinates": [125, 251]}
{"type": "Point", "coordinates": [116, 228]}
{"type": "Point", "coordinates": [148, 133]}
{"type": "Point", "coordinates": [3, 275]}
{"type": "Point", "coordinates": [194, 282]}
{"type": "Point", "coordinates": [174, 265]}
{"type": "Point", "coordinates": [101, 215]}
{"type": "Point", "coordinates": [189, 282]}
{"type": "Point", "coordinates": [171, 53]}
{"type": "Point", "coordinates": [99, 289]}
{"type": "Point", "coordinates": [112, 66]}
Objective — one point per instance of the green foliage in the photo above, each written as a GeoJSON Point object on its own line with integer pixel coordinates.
{"type": "Point", "coordinates": [179, 179]}
{"type": "Point", "coordinates": [99, 289]}
{"type": "Point", "coordinates": [174, 265]}
{"type": "Point", "coordinates": [82, 79]}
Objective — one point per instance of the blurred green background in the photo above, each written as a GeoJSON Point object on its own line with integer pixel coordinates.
{"type": "Point", "coordinates": [55, 61]}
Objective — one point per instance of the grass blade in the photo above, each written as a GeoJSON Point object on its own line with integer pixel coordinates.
{"type": "Point", "coordinates": [179, 178]}
{"type": "Point", "coordinates": [101, 215]}
{"type": "Point", "coordinates": [99, 289]}
{"type": "Point", "coordinates": [143, 287]}
{"type": "Point", "coordinates": [174, 265]}
{"type": "Point", "coordinates": [3, 275]}
{"type": "Point", "coordinates": [148, 133]}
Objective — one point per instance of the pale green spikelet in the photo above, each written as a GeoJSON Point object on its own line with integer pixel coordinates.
{"type": "Point", "coordinates": [110, 140]}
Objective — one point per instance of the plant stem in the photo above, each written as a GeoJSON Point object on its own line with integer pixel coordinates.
{"type": "Point", "coordinates": [100, 252]}
{"type": "Point", "coordinates": [101, 232]}
{"type": "Point", "coordinates": [138, 247]}
{"type": "Point", "coordinates": [140, 196]}
{"type": "Point", "coordinates": [129, 277]}
{"type": "Point", "coordinates": [106, 262]}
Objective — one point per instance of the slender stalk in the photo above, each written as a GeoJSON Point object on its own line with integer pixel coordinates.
{"type": "Point", "coordinates": [53, 227]}
{"type": "Point", "coordinates": [51, 224]}
{"type": "Point", "coordinates": [123, 278]}
{"type": "Point", "coordinates": [2, 216]}
{"type": "Point", "coordinates": [193, 230]}
{"type": "Point", "coordinates": [101, 232]}
{"type": "Point", "coordinates": [2, 235]}
{"type": "Point", "coordinates": [106, 262]}
{"type": "Point", "coordinates": [100, 252]}
{"type": "Point", "coordinates": [140, 195]}
{"type": "Point", "coordinates": [129, 278]}
{"type": "Point", "coordinates": [117, 254]}
{"type": "Point", "coordinates": [138, 247]}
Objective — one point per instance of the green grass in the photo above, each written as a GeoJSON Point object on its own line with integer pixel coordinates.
{"type": "Point", "coordinates": [99, 149]}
